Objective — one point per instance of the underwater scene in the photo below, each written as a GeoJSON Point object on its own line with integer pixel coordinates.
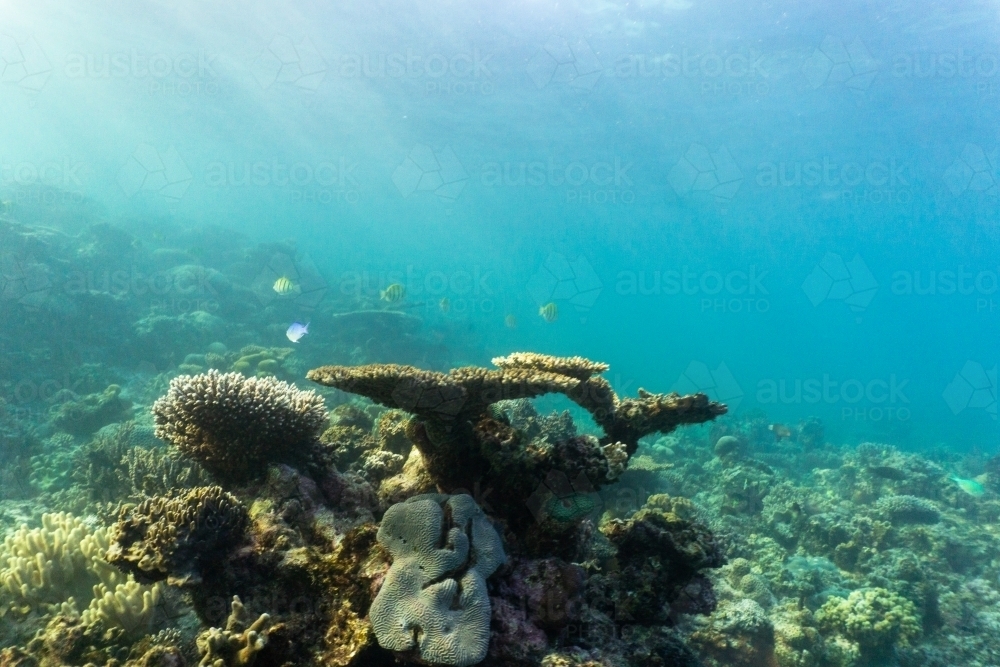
{"type": "Point", "coordinates": [598, 333]}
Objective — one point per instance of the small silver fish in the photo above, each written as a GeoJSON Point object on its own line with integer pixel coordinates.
{"type": "Point", "coordinates": [297, 331]}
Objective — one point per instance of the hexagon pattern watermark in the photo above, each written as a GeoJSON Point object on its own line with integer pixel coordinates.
{"type": "Point", "coordinates": [308, 285]}
{"type": "Point", "coordinates": [562, 281]}
{"type": "Point", "coordinates": [284, 61]}
{"type": "Point", "coordinates": [425, 170]}
{"type": "Point", "coordinates": [23, 63]}
{"type": "Point", "coordinates": [974, 170]}
{"type": "Point", "coordinates": [148, 170]}
{"type": "Point", "coordinates": [974, 388]}
{"type": "Point", "coordinates": [834, 279]}
{"type": "Point", "coordinates": [701, 171]}
{"type": "Point", "coordinates": [24, 280]}
{"type": "Point", "coordinates": [575, 65]}
{"type": "Point", "coordinates": [851, 65]}
{"type": "Point", "coordinates": [718, 384]}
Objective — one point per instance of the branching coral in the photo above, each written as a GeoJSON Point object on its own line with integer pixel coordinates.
{"type": "Point", "coordinates": [176, 536]}
{"type": "Point", "coordinates": [238, 644]}
{"type": "Point", "coordinates": [235, 425]}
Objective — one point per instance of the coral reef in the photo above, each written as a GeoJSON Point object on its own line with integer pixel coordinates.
{"type": "Point", "coordinates": [234, 425]}
{"type": "Point", "coordinates": [433, 602]}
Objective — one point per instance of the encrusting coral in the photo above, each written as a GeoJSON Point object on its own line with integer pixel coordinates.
{"type": "Point", "coordinates": [235, 425]}
{"type": "Point", "coordinates": [433, 602]}
{"type": "Point", "coordinates": [178, 536]}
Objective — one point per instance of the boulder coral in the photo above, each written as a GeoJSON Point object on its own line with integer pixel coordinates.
{"type": "Point", "coordinates": [433, 603]}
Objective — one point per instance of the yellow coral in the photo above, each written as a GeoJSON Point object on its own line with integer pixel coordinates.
{"type": "Point", "coordinates": [238, 644]}
{"type": "Point", "coordinates": [128, 605]}
{"type": "Point", "coordinates": [872, 617]}
{"type": "Point", "coordinates": [62, 560]}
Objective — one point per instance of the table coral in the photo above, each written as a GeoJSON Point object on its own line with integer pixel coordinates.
{"type": "Point", "coordinates": [467, 441]}
{"type": "Point", "coordinates": [235, 425]}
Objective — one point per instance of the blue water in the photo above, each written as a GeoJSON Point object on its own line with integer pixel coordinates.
{"type": "Point", "coordinates": [748, 198]}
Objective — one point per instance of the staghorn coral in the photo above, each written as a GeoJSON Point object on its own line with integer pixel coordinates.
{"type": "Point", "coordinates": [156, 471]}
{"type": "Point", "coordinates": [176, 537]}
{"type": "Point", "coordinates": [234, 425]}
{"type": "Point", "coordinates": [433, 602]}
{"type": "Point", "coordinates": [238, 644]}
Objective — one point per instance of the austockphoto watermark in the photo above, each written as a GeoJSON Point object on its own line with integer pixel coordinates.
{"type": "Point", "coordinates": [462, 73]}
{"type": "Point", "coordinates": [737, 291]}
{"type": "Point", "coordinates": [324, 182]}
{"type": "Point", "coordinates": [581, 182]}
{"type": "Point", "coordinates": [474, 285]}
{"type": "Point", "coordinates": [876, 182]}
{"type": "Point", "coordinates": [876, 400]}
{"type": "Point", "coordinates": [182, 74]}
{"type": "Point", "coordinates": [718, 74]}
{"type": "Point", "coordinates": [982, 285]}
{"type": "Point", "coordinates": [980, 68]}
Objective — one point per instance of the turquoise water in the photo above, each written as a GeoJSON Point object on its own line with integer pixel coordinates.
{"type": "Point", "coordinates": [843, 131]}
{"type": "Point", "coordinates": [791, 207]}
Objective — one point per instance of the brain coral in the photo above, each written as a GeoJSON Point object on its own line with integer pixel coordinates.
{"type": "Point", "coordinates": [434, 601]}
{"type": "Point", "coordinates": [235, 425]}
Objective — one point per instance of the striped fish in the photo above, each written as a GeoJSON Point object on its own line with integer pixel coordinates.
{"type": "Point", "coordinates": [549, 312]}
{"type": "Point", "coordinates": [393, 293]}
{"type": "Point", "coordinates": [284, 286]}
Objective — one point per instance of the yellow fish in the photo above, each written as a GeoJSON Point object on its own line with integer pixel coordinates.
{"type": "Point", "coordinates": [444, 304]}
{"type": "Point", "coordinates": [393, 293]}
{"type": "Point", "coordinates": [549, 312]}
{"type": "Point", "coordinates": [284, 286]}
{"type": "Point", "coordinates": [510, 321]}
